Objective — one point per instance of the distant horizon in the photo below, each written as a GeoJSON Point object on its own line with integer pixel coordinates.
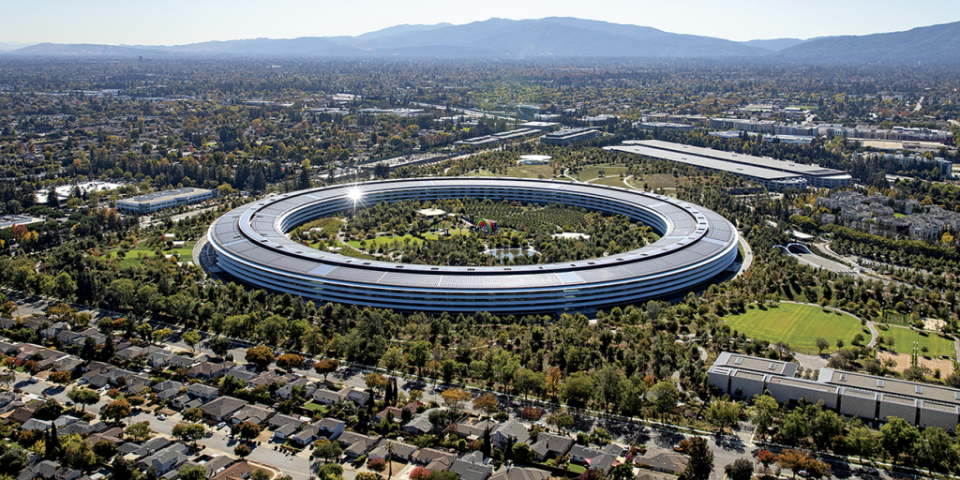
{"type": "Point", "coordinates": [182, 22]}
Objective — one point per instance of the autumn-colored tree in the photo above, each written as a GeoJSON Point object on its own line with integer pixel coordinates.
{"type": "Point", "coordinates": [420, 473]}
{"type": "Point", "coordinates": [377, 465]}
{"type": "Point", "coordinates": [376, 381]}
{"type": "Point", "coordinates": [60, 377]}
{"type": "Point", "coordinates": [261, 356]}
{"type": "Point", "coordinates": [766, 458]}
{"type": "Point", "coordinates": [289, 361]}
{"type": "Point", "coordinates": [326, 366]}
{"type": "Point", "coordinates": [454, 400]}
{"type": "Point", "coordinates": [487, 403]}
{"type": "Point", "coordinates": [116, 410]}
{"type": "Point", "coordinates": [553, 381]}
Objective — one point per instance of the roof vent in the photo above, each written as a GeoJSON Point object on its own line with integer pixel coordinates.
{"type": "Point", "coordinates": [843, 377]}
{"type": "Point", "coordinates": [919, 389]}
{"type": "Point", "coordinates": [773, 366]}
{"type": "Point", "coordinates": [738, 361]}
{"type": "Point", "coordinates": [880, 383]}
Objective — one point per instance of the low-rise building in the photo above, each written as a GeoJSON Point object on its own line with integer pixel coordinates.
{"type": "Point", "coordinates": [152, 202]}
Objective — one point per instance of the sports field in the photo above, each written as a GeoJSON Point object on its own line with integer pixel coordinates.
{"type": "Point", "coordinates": [903, 339]}
{"type": "Point", "coordinates": [798, 325]}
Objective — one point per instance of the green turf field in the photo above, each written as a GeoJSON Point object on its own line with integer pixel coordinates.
{"type": "Point", "coordinates": [521, 171]}
{"type": "Point", "coordinates": [593, 171]}
{"type": "Point", "coordinates": [133, 256]}
{"type": "Point", "coordinates": [903, 339]}
{"type": "Point", "coordinates": [798, 325]}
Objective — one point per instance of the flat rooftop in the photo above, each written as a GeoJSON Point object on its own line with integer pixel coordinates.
{"type": "Point", "coordinates": [763, 162]}
{"type": "Point", "coordinates": [166, 195]}
{"type": "Point", "coordinates": [756, 364]}
{"type": "Point", "coordinates": [892, 386]}
{"type": "Point", "coordinates": [698, 161]}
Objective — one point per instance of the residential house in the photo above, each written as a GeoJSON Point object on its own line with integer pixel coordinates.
{"type": "Point", "coordinates": [518, 473]}
{"type": "Point", "coordinates": [236, 471]}
{"type": "Point", "coordinates": [159, 358]}
{"type": "Point", "coordinates": [306, 435]}
{"type": "Point", "coordinates": [509, 433]}
{"type": "Point", "coordinates": [147, 448]}
{"type": "Point", "coordinates": [471, 467]}
{"type": "Point", "coordinates": [401, 451]}
{"type": "Point", "coordinates": [284, 426]}
{"type": "Point", "coordinates": [49, 470]}
{"type": "Point", "coordinates": [269, 378]}
{"type": "Point", "coordinates": [179, 361]}
{"type": "Point", "coordinates": [129, 353]}
{"type": "Point", "coordinates": [167, 385]}
{"type": "Point", "coordinates": [20, 415]}
{"type": "Point", "coordinates": [67, 337]}
{"type": "Point", "coordinates": [166, 459]}
{"type": "Point", "coordinates": [549, 445]}
{"type": "Point", "coordinates": [222, 408]}
{"type": "Point", "coordinates": [7, 348]}
{"type": "Point", "coordinates": [389, 412]}
{"type": "Point", "coordinates": [600, 460]}
{"type": "Point", "coordinates": [427, 456]}
{"type": "Point", "coordinates": [328, 397]}
{"type": "Point", "coordinates": [207, 370]}
{"type": "Point", "coordinates": [241, 372]}
{"type": "Point", "coordinates": [419, 425]}
{"type": "Point", "coordinates": [53, 330]}
{"type": "Point", "coordinates": [36, 424]}
{"type": "Point", "coordinates": [286, 391]}
{"type": "Point", "coordinates": [359, 397]}
{"type": "Point", "coordinates": [252, 413]}
{"type": "Point", "coordinates": [472, 429]}
{"type": "Point", "coordinates": [663, 462]}
{"type": "Point", "coordinates": [355, 444]}
{"type": "Point", "coordinates": [650, 475]}
{"type": "Point", "coordinates": [212, 466]}
{"type": "Point", "coordinates": [331, 427]}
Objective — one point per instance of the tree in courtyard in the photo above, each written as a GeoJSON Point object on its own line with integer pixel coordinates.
{"type": "Point", "coordinates": [189, 432]}
{"type": "Point", "coordinates": [418, 355]}
{"type": "Point", "coordinates": [822, 344]}
{"type": "Point", "coordinates": [701, 460]}
{"type": "Point", "coordinates": [741, 469]}
{"type": "Point", "coordinates": [455, 399]}
{"type": "Point", "coordinates": [191, 338]}
{"type": "Point", "coordinates": [220, 346]}
{"type": "Point", "coordinates": [261, 356]}
{"type": "Point", "coordinates": [763, 413]}
{"type": "Point", "coordinates": [289, 361]}
{"type": "Point", "coordinates": [140, 431]}
{"type": "Point", "coordinates": [326, 366]}
{"type": "Point", "coordinates": [327, 450]}
{"type": "Point", "coordinates": [83, 396]}
{"type": "Point", "coordinates": [241, 450]}
{"type": "Point", "coordinates": [562, 420]}
{"type": "Point", "coordinates": [487, 403]}
{"type": "Point", "coordinates": [378, 465]}
{"type": "Point", "coordinates": [898, 438]}
{"type": "Point", "coordinates": [577, 390]}
{"type": "Point", "coordinates": [249, 430]}
{"type": "Point", "coordinates": [60, 377]}
{"type": "Point", "coordinates": [192, 472]}
{"type": "Point", "coordinates": [193, 415]}
{"type": "Point", "coordinates": [723, 413]}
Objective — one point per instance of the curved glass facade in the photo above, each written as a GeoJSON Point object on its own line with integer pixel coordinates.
{"type": "Point", "coordinates": [696, 244]}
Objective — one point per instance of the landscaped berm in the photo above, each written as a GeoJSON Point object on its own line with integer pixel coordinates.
{"type": "Point", "coordinates": [798, 325]}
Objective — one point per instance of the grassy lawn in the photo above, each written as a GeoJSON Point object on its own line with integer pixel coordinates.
{"type": "Point", "coordinates": [132, 257]}
{"type": "Point", "coordinates": [899, 215]}
{"type": "Point", "coordinates": [798, 325]}
{"type": "Point", "coordinates": [522, 171]}
{"type": "Point", "coordinates": [311, 405]}
{"type": "Point", "coordinates": [385, 240]}
{"type": "Point", "coordinates": [577, 469]}
{"type": "Point", "coordinates": [593, 171]}
{"type": "Point", "coordinates": [614, 181]}
{"type": "Point", "coordinates": [903, 339]}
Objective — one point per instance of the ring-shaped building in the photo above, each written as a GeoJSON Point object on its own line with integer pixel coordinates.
{"type": "Point", "coordinates": [250, 245]}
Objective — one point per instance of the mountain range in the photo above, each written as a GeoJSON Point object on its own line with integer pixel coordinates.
{"type": "Point", "coordinates": [555, 37]}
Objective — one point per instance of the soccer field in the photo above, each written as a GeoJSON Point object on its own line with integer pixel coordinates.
{"type": "Point", "coordinates": [903, 339]}
{"type": "Point", "coordinates": [798, 325]}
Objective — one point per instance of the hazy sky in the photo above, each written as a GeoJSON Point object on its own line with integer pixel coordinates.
{"type": "Point", "coordinates": [174, 22]}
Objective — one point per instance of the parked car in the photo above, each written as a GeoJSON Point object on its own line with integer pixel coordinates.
{"type": "Point", "coordinates": [221, 425]}
{"type": "Point", "coordinates": [161, 417]}
{"type": "Point", "coordinates": [34, 380]}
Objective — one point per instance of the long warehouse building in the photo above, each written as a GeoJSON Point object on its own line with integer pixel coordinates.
{"type": "Point", "coordinates": [815, 176]}
{"type": "Point", "coordinates": [849, 393]}
{"type": "Point", "coordinates": [251, 245]}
